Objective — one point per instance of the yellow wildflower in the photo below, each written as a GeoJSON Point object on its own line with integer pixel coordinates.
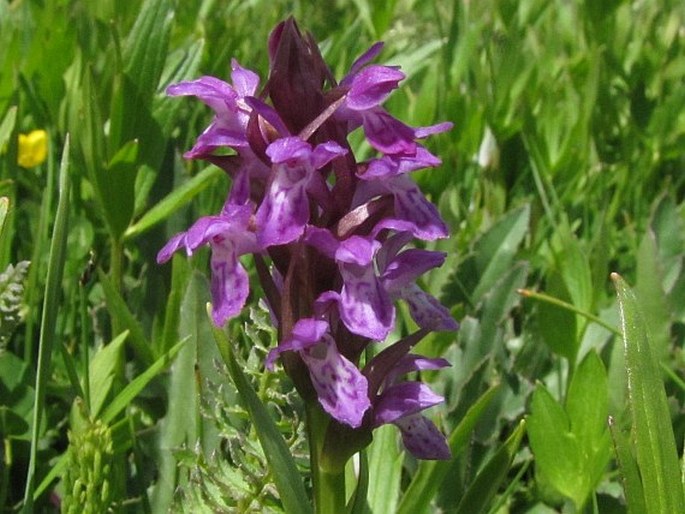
{"type": "Point", "coordinates": [33, 148]}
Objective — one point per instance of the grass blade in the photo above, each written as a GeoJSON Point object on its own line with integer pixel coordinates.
{"type": "Point", "coordinates": [632, 486]}
{"type": "Point", "coordinates": [653, 437]}
{"type": "Point", "coordinates": [49, 317]}
{"type": "Point", "coordinates": [136, 385]}
{"type": "Point", "coordinates": [483, 489]}
{"type": "Point", "coordinates": [174, 201]}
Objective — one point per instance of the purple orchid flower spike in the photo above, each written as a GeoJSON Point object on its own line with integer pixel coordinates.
{"type": "Point", "coordinates": [229, 234]}
{"type": "Point", "coordinates": [331, 237]}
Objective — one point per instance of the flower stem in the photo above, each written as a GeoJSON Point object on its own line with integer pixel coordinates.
{"type": "Point", "coordinates": [328, 485]}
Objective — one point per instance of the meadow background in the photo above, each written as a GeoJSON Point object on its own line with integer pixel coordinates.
{"type": "Point", "coordinates": [566, 163]}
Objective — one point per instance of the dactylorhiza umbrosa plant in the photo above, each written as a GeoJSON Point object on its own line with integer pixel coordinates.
{"type": "Point", "coordinates": [329, 236]}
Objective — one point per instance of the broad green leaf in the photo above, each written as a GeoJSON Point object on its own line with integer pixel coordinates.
{"type": "Point", "coordinates": [174, 201]}
{"type": "Point", "coordinates": [11, 423]}
{"type": "Point", "coordinates": [106, 365]}
{"type": "Point", "coordinates": [48, 325]}
{"type": "Point", "coordinates": [118, 309]}
{"type": "Point", "coordinates": [653, 301]}
{"type": "Point", "coordinates": [558, 326]}
{"type": "Point", "coordinates": [558, 456]}
{"type": "Point", "coordinates": [143, 59]}
{"type": "Point", "coordinates": [587, 406]}
{"type": "Point", "coordinates": [181, 424]}
{"type": "Point", "coordinates": [181, 65]}
{"type": "Point", "coordinates": [285, 474]}
{"type": "Point", "coordinates": [575, 270]}
{"type": "Point", "coordinates": [495, 251]}
{"type": "Point", "coordinates": [7, 128]}
{"type": "Point", "coordinates": [419, 494]}
{"type": "Point", "coordinates": [358, 504]}
{"type": "Point", "coordinates": [652, 432]}
{"type": "Point", "coordinates": [116, 184]}
{"type": "Point", "coordinates": [135, 386]}
{"type": "Point", "coordinates": [480, 493]}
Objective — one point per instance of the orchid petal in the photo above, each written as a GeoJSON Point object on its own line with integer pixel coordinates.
{"type": "Point", "coordinates": [403, 399]}
{"type": "Point", "coordinates": [426, 310]}
{"type": "Point", "coordinates": [409, 265]}
{"type": "Point", "coordinates": [371, 86]}
{"type": "Point", "coordinates": [387, 134]}
{"type": "Point", "coordinates": [230, 285]}
{"type": "Point", "coordinates": [423, 439]}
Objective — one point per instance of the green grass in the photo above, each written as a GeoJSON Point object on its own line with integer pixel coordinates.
{"type": "Point", "coordinates": [586, 104]}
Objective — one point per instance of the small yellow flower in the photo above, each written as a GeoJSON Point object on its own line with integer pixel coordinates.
{"type": "Point", "coordinates": [33, 148]}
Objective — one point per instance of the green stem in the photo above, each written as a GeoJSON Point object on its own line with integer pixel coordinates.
{"type": "Point", "coordinates": [115, 273]}
{"type": "Point", "coordinates": [329, 486]}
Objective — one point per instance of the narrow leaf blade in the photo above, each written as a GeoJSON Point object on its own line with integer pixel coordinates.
{"type": "Point", "coordinates": [652, 431]}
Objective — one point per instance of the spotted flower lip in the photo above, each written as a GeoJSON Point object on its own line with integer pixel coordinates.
{"type": "Point", "coordinates": [341, 387]}
{"type": "Point", "coordinates": [331, 237]}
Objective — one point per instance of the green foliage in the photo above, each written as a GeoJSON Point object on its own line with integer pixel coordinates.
{"type": "Point", "coordinates": [11, 299]}
{"type": "Point", "coordinates": [565, 164]}
{"type": "Point", "coordinates": [653, 445]}
{"type": "Point", "coordinates": [571, 442]}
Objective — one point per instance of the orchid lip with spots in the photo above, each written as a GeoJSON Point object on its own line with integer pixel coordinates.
{"type": "Point", "coordinates": [331, 236]}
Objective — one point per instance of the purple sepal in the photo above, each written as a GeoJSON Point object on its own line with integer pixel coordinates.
{"type": "Point", "coordinates": [388, 134]}
{"type": "Point", "coordinates": [423, 132]}
{"type": "Point", "coordinates": [398, 164]}
{"type": "Point", "coordinates": [245, 81]}
{"type": "Point", "coordinates": [371, 86]}
{"type": "Point", "coordinates": [422, 438]}
{"type": "Point", "coordinates": [409, 265]}
{"type": "Point", "coordinates": [426, 311]}
{"type": "Point", "coordinates": [412, 211]}
{"type": "Point", "coordinates": [305, 333]}
{"type": "Point", "coordinates": [403, 399]}
{"type": "Point", "coordinates": [413, 362]}
{"type": "Point", "coordinates": [362, 61]}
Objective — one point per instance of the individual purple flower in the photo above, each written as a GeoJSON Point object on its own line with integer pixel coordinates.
{"type": "Point", "coordinates": [284, 212]}
{"type": "Point", "coordinates": [341, 388]}
{"type": "Point", "coordinates": [410, 205]}
{"type": "Point", "coordinates": [364, 304]}
{"type": "Point", "coordinates": [230, 235]}
{"type": "Point", "coordinates": [366, 298]}
{"type": "Point", "coordinates": [228, 129]}
{"type": "Point", "coordinates": [401, 402]}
